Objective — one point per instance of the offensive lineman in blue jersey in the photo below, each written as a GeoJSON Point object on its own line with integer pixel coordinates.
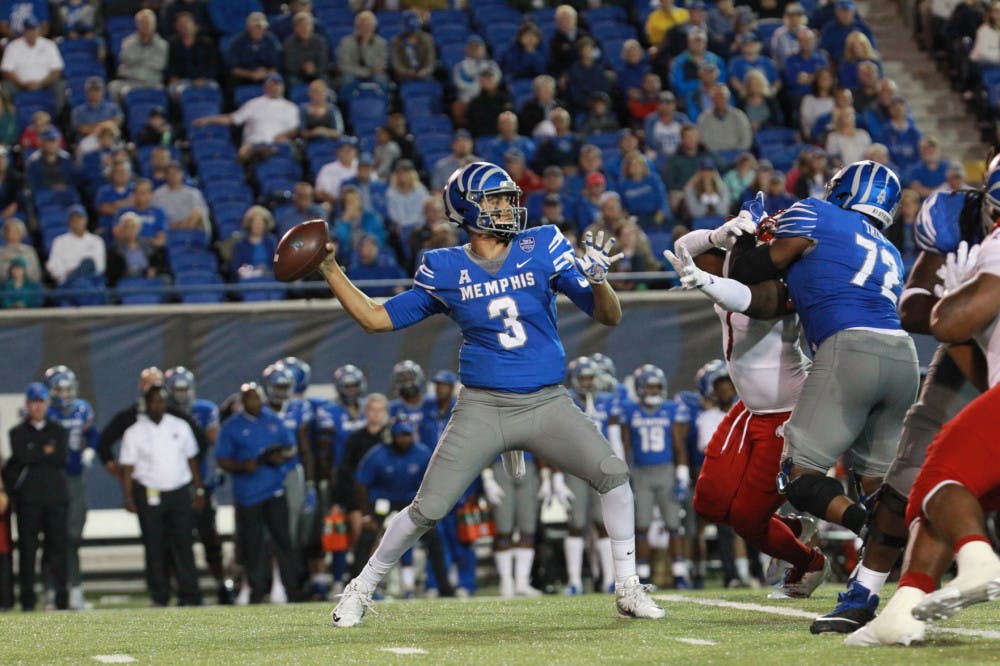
{"type": "Point", "coordinates": [601, 408]}
{"type": "Point", "coordinates": [180, 384]}
{"type": "Point", "coordinates": [655, 431]}
{"type": "Point", "coordinates": [843, 276]}
{"type": "Point", "coordinates": [408, 384]}
{"type": "Point", "coordinates": [501, 290]}
{"type": "Point", "coordinates": [77, 417]}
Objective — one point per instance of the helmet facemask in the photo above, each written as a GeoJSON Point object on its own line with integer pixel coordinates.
{"type": "Point", "coordinates": [500, 211]}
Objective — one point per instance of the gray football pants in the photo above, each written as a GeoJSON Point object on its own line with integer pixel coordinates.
{"type": "Point", "coordinates": [853, 403]}
{"type": "Point", "coordinates": [486, 423]}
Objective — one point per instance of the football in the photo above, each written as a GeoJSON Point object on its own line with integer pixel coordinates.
{"type": "Point", "coordinates": [301, 250]}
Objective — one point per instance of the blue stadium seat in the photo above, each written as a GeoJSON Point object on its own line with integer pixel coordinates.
{"type": "Point", "coordinates": [210, 170]}
{"type": "Point", "coordinates": [245, 93]}
{"type": "Point", "coordinates": [660, 240]}
{"type": "Point", "coordinates": [611, 13]}
{"type": "Point", "coordinates": [228, 217]}
{"type": "Point", "coordinates": [228, 192]}
{"type": "Point", "coordinates": [520, 90]}
{"type": "Point", "coordinates": [707, 222]}
{"type": "Point", "coordinates": [440, 17]}
{"type": "Point", "coordinates": [299, 93]}
{"type": "Point", "coordinates": [368, 110]}
{"type": "Point", "coordinates": [765, 30]}
{"type": "Point", "coordinates": [276, 173]}
{"type": "Point", "coordinates": [274, 293]}
{"type": "Point", "coordinates": [141, 291]}
{"type": "Point", "coordinates": [95, 283]}
{"type": "Point", "coordinates": [81, 57]}
{"type": "Point", "coordinates": [181, 239]}
{"type": "Point", "coordinates": [209, 133]}
{"type": "Point", "coordinates": [606, 141]}
{"type": "Point", "coordinates": [229, 16]}
{"type": "Point", "coordinates": [446, 33]}
{"type": "Point", "coordinates": [500, 34]}
{"type": "Point", "coordinates": [452, 54]}
{"type": "Point", "coordinates": [28, 102]}
{"type": "Point", "coordinates": [320, 153]}
{"type": "Point", "coordinates": [334, 17]}
{"type": "Point", "coordinates": [606, 30]}
{"type": "Point", "coordinates": [188, 259]}
{"type": "Point", "coordinates": [201, 94]}
{"type": "Point", "coordinates": [486, 16]}
{"type": "Point", "coordinates": [212, 148]}
{"type": "Point", "coordinates": [438, 123]}
{"type": "Point", "coordinates": [768, 138]}
{"type": "Point", "coordinates": [197, 278]}
{"type": "Point", "coordinates": [63, 198]}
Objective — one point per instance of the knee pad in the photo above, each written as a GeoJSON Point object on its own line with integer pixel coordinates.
{"type": "Point", "coordinates": [887, 500]}
{"type": "Point", "coordinates": [614, 472]}
{"type": "Point", "coordinates": [419, 519]}
{"type": "Point", "coordinates": [813, 493]}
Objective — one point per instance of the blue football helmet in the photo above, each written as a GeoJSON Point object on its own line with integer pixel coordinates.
{"type": "Point", "coordinates": [180, 385]}
{"type": "Point", "coordinates": [650, 385]}
{"type": "Point", "coordinates": [465, 198]}
{"type": "Point", "coordinates": [607, 375]}
{"type": "Point", "coordinates": [583, 373]}
{"type": "Point", "coordinates": [63, 386]}
{"type": "Point", "coordinates": [445, 377]}
{"type": "Point", "coordinates": [350, 383]}
{"type": "Point", "coordinates": [278, 381]}
{"type": "Point", "coordinates": [300, 370]}
{"type": "Point", "coordinates": [867, 187]}
{"type": "Point", "coordinates": [408, 379]}
{"type": "Point", "coordinates": [707, 375]}
{"type": "Point", "coordinates": [991, 200]}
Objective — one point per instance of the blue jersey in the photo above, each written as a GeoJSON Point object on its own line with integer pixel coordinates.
{"type": "Point", "coordinates": [244, 437]}
{"type": "Point", "coordinates": [79, 421]}
{"type": "Point", "coordinates": [335, 418]}
{"type": "Point", "coordinates": [850, 278]}
{"type": "Point", "coordinates": [601, 410]}
{"type": "Point", "coordinates": [692, 400]}
{"type": "Point", "coordinates": [206, 414]}
{"type": "Point", "coordinates": [435, 419]}
{"type": "Point", "coordinates": [401, 410]}
{"type": "Point", "coordinates": [946, 219]}
{"type": "Point", "coordinates": [508, 319]}
{"type": "Point", "coordinates": [387, 474]}
{"type": "Point", "coordinates": [652, 440]}
{"type": "Point", "coordinates": [294, 414]}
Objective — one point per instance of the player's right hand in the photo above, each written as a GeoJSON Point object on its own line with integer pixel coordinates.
{"type": "Point", "coordinates": [691, 276]}
{"type": "Point", "coordinates": [492, 490]}
{"type": "Point", "coordinates": [732, 229]}
{"type": "Point", "coordinates": [330, 261]}
{"type": "Point", "coordinates": [958, 267]}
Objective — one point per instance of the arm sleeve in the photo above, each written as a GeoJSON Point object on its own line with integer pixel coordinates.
{"type": "Point", "coordinates": [420, 302]}
{"type": "Point", "coordinates": [190, 444]}
{"type": "Point", "coordinates": [697, 242]}
{"type": "Point", "coordinates": [683, 414]}
{"type": "Point", "coordinates": [989, 256]}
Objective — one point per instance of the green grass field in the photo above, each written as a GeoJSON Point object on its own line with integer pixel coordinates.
{"type": "Point", "coordinates": [549, 630]}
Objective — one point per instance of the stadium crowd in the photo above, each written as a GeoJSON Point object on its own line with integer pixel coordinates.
{"type": "Point", "coordinates": [173, 145]}
{"type": "Point", "coordinates": [314, 480]}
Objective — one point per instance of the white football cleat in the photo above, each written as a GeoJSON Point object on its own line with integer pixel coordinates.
{"type": "Point", "coordinates": [354, 601]}
{"type": "Point", "coordinates": [633, 600]}
{"type": "Point", "coordinates": [528, 592]}
{"type": "Point", "coordinates": [507, 589]}
{"type": "Point", "coordinates": [800, 585]}
{"type": "Point", "coordinates": [968, 588]}
{"type": "Point", "coordinates": [895, 625]}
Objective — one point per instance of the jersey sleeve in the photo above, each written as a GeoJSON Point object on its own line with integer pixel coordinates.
{"type": "Point", "coordinates": [936, 229]}
{"type": "Point", "coordinates": [797, 221]}
{"type": "Point", "coordinates": [566, 278]}
{"type": "Point", "coordinates": [213, 416]}
{"type": "Point", "coordinates": [683, 414]}
{"type": "Point", "coordinates": [190, 443]}
{"type": "Point", "coordinates": [420, 302]}
{"type": "Point", "coordinates": [225, 447]}
{"type": "Point", "coordinates": [989, 255]}
{"type": "Point", "coordinates": [128, 454]}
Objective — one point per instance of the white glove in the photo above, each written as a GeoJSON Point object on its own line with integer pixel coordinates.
{"type": "Point", "coordinates": [597, 259]}
{"type": "Point", "coordinates": [491, 489]}
{"type": "Point", "coordinates": [683, 475]}
{"type": "Point", "coordinates": [545, 491]}
{"type": "Point", "coordinates": [723, 236]}
{"type": "Point", "coordinates": [513, 463]}
{"type": "Point", "coordinates": [87, 457]}
{"type": "Point", "coordinates": [690, 275]}
{"type": "Point", "coordinates": [958, 267]}
{"type": "Point", "coordinates": [560, 490]}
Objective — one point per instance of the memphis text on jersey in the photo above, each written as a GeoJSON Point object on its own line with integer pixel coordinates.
{"type": "Point", "coordinates": [472, 290]}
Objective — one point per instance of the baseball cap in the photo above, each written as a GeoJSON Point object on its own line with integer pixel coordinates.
{"type": "Point", "coordinates": [596, 178]}
{"type": "Point", "coordinates": [552, 170]}
{"type": "Point", "coordinates": [403, 165]}
{"type": "Point", "coordinates": [600, 95]}
{"type": "Point", "coordinates": [956, 169]}
{"type": "Point", "coordinates": [76, 209]}
{"type": "Point", "coordinates": [462, 134]}
{"type": "Point", "coordinates": [749, 38]}
{"type": "Point", "coordinates": [157, 111]}
{"type": "Point", "coordinates": [474, 39]}
{"type": "Point", "coordinates": [698, 4]}
{"type": "Point", "coordinates": [402, 428]}
{"type": "Point", "coordinates": [29, 23]}
{"type": "Point", "coordinates": [844, 4]}
{"type": "Point", "coordinates": [274, 77]}
{"type": "Point", "coordinates": [794, 8]}
{"type": "Point", "coordinates": [552, 199]}
{"type": "Point", "coordinates": [94, 83]}
{"type": "Point", "coordinates": [36, 391]}
{"type": "Point", "coordinates": [366, 159]}
{"type": "Point", "coordinates": [445, 377]}
{"type": "Point", "coordinates": [707, 163]}
{"type": "Point", "coordinates": [667, 96]}
{"type": "Point", "coordinates": [50, 134]}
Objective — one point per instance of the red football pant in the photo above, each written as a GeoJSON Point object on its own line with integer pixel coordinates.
{"type": "Point", "coordinates": [966, 452]}
{"type": "Point", "coordinates": [737, 484]}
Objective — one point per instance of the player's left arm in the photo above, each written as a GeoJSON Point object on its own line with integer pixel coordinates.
{"type": "Point", "coordinates": [968, 310]}
{"type": "Point", "coordinates": [607, 307]}
{"type": "Point", "coordinates": [679, 433]}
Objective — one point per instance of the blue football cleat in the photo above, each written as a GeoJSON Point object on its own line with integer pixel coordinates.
{"type": "Point", "coordinates": [855, 609]}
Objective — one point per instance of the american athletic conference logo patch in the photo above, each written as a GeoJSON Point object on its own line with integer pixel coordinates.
{"type": "Point", "coordinates": [526, 244]}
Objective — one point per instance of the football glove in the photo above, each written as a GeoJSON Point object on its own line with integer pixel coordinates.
{"type": "Point", "coordinates": [691, 276]}
{"type": "Point", "coordinates": [513, 463]}
{"type": "Point", "coordinates": [491, 489]}
{"type": "Point", "coordinates": [560, 490]}
{"type": "Point", "coordinates": [682, 482]}
{"type": "Point", "coordinates": [723, 236]}
{"type": "Point", "coordinates": [87, 457]}
{"type": "Point", "coordinates": [958, 267]}
{"type": "Point", "coordinates": [753, 210]}
{"type": "Point", "coordinates": [597, 259]}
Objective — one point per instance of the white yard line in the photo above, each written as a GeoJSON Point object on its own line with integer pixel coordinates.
{"type": "Point", "coordinates": [795, 612]}
{"type": "Point", "coordinates": [114, 658]}
{"type": "Point", "coordinates": [404, 650]}
{"type": "Point", "coordinates": [694, 641]}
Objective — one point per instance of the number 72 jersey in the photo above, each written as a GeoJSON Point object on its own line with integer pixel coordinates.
{"type": "Point", "coordinates": [851, 278]}
{"type": "Point", "coordinates": [508, 318]}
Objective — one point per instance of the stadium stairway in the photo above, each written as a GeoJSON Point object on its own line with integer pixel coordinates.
{"type": "Point", "coordinates": [938, 109]}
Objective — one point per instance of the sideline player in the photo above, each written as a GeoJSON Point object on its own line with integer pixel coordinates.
{"type": "Point", "coordinates": [843, 276]}
{"type": "Point", "coordinates": [500, 289]}
{"type": "Point", "coordinates": [769, 369]}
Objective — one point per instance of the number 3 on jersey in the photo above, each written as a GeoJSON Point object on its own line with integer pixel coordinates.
{"type": "Point", "coordinates": [891, 277]}
{"type": "Point", "coordinates": [506, 307]}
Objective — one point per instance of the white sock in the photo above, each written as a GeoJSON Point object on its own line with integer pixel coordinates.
{"type": "Point", "coordinates": [643, 570]}
{"type": "Point", "coordinates": [871, 579]}
{"type": "Point", "coordinates": [321, 578]}
{"type": "Point", "coordinates": [607, 561]}
{"type": "Point", "coordinates": [523, 559]}
{"type": "Point", "coordinates": [975, 555]}
{"type": "Point", "coordinates": [573, 549]}
{"type": "Point", "coordinates": [276, 586]}
{"type": "Point", "coordinates": [742, 568]}
{"type": "Point", "coordinates": [680, 568]}
{"type": "Point", "coordinates": [623, 553]}
{"type": "Point", "coordinates": [505, 566]}
{"type": "Point", "coordinates": [409, 577]}
{"type": "Point", "coordinates": [618, 507]}
{"type": "Point", "coordinates": [400, 535]}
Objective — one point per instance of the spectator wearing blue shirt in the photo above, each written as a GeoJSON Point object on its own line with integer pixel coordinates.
{"type": "Point", "coordinates": [115, 195]}
{"type": "Point", "coordinates": [561, 149]}
{"type": "Point", "coordinates": [633, 67]}
{"type": "Point", "coordinates": [900, 134]}
{"type": "Point", "coordinates": [373, 190]}
{"type": "Point", "coordinates": [834, 34]}
{"type": "Point", "coordinates": [684, 68]}
{"type": "Point", "coordinates": [930, 172]}
{"type": "Point", "coordinates": [254, 53]}
{"type": "Point", "coordinates": [253, 255]}
{"type": "Point", "coordinates": [785, 40]}
{"type": "Point", "coordinates": [526, 56]}
{"type": "Point", "coordinates": [507, 137]}
{"type": "Point", "coordinates": [642, 193]}
{"type": "Point", "coordinates": [303, 207]}
{"type": "Point", "coordinates": [14, 12]}
{"type": "Point", "coordinates": [553, 182]}
{"type": "Point", "coordinates": [776, 197]}
{"type": "Point", "coordinates": [95, 109]}
{"type": "Point", "coordinates": [699, 99]}
{"type": "Point", "coordinates": [591, 161]}
{"type": "Point", "coordinates": [152, 218]}
{"type": "Point", "coordinates": [355, 221]}
{"type": "Point", "coordinates": [368, 263]}
{"type": "Point", "coordinates": [802, 67]}
{"type": "Point", "coordinates": [50, 167]}
{"type": "Point", "coordinates": [585, 76]}
{"type": "Point", "coordinates": [253, 446]}
{"type": "Point", "coordinates": [750, 58]}
{"type": "Point", "coordinates": [663, 128]}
